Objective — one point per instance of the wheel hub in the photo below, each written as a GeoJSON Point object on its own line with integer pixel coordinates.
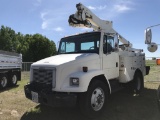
{"type": "Point", "coordinates": [97, 99]}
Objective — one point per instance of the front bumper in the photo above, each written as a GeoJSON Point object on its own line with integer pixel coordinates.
{"type": "Point", "coordinates": [50, 98]}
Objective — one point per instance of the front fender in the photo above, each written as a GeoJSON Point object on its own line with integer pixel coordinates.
{"type": "Point", "coordinates": [84, 80]}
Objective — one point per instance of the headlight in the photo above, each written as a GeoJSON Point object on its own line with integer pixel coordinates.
{"type": "Point", "coordinates": [74, 81]}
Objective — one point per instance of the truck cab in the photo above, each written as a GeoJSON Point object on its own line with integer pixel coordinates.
{"type": "Point", "coordinates": [97, 46]}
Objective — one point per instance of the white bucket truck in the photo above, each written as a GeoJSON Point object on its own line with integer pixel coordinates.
{"type": "Point", "coordinates": [88, 68]}
{"type": "Point", "coordinates": [10, 68]}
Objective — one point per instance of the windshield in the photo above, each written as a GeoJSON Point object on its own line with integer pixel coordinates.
{"type": "Point", "coordinates": [83, 43]}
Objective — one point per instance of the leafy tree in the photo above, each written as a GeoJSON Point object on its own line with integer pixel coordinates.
{"type": "Point", "coordinates": [6, 35]}
{"type": "Point", "coordinates": [40, 47]}
{"type": "Point", "coordinates": [33, 47]}
{"type": "Point", "coordinates": [153, 58]}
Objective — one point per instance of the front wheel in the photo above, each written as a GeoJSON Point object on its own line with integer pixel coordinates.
{"type": "Point", "coordinates": [138, 83]}
{"type": "Point", "coordinates": [93, 102]}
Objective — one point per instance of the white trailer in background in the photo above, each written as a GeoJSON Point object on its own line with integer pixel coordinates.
{"type": "Point", "coordinates": [10, 68]}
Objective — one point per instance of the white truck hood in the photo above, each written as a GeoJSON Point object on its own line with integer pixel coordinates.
{"type": "Point", "coordinates": [64, 58]}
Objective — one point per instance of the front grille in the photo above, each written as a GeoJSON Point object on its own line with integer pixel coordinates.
{"type": "Point", "coordinates": [44, 76]}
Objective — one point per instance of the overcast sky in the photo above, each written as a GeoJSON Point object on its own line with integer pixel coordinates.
{"type": "Point", "coordinates": [50, 18]}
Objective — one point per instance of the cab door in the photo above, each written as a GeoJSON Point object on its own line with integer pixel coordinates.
{"type": "Point", "coordinates": [110, 57]}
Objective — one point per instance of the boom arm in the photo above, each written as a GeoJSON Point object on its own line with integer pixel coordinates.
{"type": "Point", "coordinates": [85, 18]}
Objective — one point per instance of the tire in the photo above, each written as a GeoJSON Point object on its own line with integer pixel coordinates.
{"type": "Point", "coordinates": [138, 83]}
{"type": "Point", "coordinates": [3, 81]}
{"type": "Point", "coordinates": [158, 97]}
{"type": "Point", "coordinates": [92, 103]}
{"type": "Point", "coordinates": [13, 80]}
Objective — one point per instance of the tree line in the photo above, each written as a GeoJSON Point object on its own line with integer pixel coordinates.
{"type": "Point", "coordinates": [32, 47]}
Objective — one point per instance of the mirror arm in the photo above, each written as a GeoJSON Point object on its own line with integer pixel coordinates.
{"type": "Point", "coordinates": [152, 26]}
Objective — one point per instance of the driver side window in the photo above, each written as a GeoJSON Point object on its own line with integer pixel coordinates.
{"type": "Point", "coordinates": [108, 44]}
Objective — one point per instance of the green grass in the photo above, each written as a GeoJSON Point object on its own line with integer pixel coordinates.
{"type": "Point", "coordinates": [13, 103]}
{"type": "Point", "coordinates": [122, 105]}
{"type": "Point", "coordinates": [20, 85]}
{"type": "Point", "coordinates": [151, 63]}
{"type": "Point", "coordinates": [34, 110]}
{"type": "Point", "coordinates": [154, 74]}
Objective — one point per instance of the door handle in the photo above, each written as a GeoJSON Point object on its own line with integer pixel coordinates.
{"type": "Point", "coordinates": [116, 64]}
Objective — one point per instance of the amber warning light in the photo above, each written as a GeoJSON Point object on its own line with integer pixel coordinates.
{"type": "Point", "coordinates": [85, 69]}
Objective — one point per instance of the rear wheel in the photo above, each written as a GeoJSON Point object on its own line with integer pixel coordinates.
{"type": "Point", "coordinates": [3, 81]}
{"type": "Point", "coordinates": [93, 102]}
{"type": "Point", "coordinates": [13, 81]}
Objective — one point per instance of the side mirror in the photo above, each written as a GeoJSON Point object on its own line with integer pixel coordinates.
{"type": "Point", "coordinates": [152, 47]}
{"type": "Point", "coordinates": [148, 36]}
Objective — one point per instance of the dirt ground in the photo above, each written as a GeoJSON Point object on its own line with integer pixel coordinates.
{"type": "Point", "coordinates": [121, 106]}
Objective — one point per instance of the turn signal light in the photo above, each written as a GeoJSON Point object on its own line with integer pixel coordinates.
{"type": "Point", "coordinates": [85, 69]}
